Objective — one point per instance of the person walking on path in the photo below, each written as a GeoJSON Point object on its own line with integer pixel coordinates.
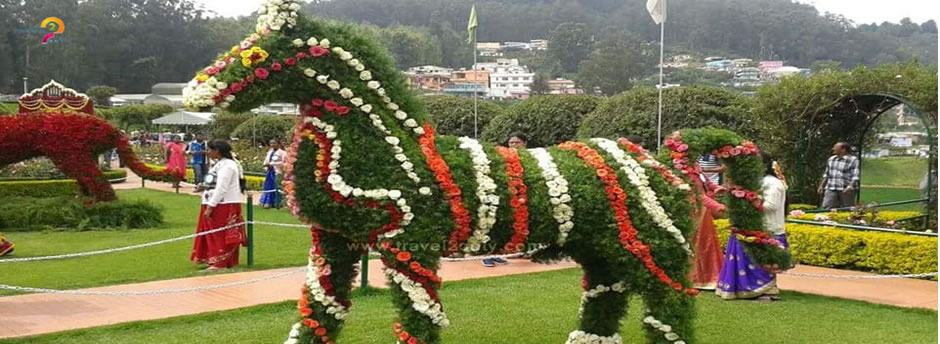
{"type": "Point", "coordinates": [176, 156]}
{"type": "Point", "coordinates": [840, 180]}
{"type": "Point", "coordinates": [740, 278]}
{"type": "Point", "coordinates": [706, 264]}
{"type": "Point", "coordinates": [197, 149]}
{"type": "Point", "coordinates": [221, 207]}
{"type": "Point", "coordinates": [274, 163]}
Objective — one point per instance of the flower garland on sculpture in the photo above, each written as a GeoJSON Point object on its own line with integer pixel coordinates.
{"type": "Point", "coordinates": [618, 287]}
{"type": "Point", "coordinates": [757, 237]}
{"type": "Point", "coordinates": [750, 196]}
{"type": "Point", "coordinates": [647, 160]}
{"type": "Point", "coordinates": [665, 329]}
{"type": "Point", "coordinates": [558, 191]}
{"type": "Point", "coordinates": [638, 178]}
{"type": "Point", "coordinates": [486, 192]}
{"type": "Point", "coordinates": [581, 337]}
{"type": "Point", "coordinates": [274, 14]}
{"type": "Point", "coordinates": [518, 194]}
{"type": "Point", "coordinates": [617, 198]}
{"type": "Point", "coordinates": [459, 212]}
{"type": "Point", "coordinates": [421, 300]}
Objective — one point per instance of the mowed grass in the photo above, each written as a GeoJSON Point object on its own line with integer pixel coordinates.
{"type": "Point", "coordinates": [894, 171]}
{"type": "Point", "coordinates": [274, 247]}
{"type": "Point", "coordinates": [537, 309]}
{"type": "Point", "coordinates": [883, 195]}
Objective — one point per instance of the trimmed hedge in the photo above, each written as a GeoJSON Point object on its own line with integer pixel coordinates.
{"type": "Point", "coordinates": [453, 115]}
{"type": "Point", "coordinates": [30, 214]}
{"type": "Point", "coordinates": [251, 182]}
{"type": "Point", "coordinates": [38, 188]}
{"type": "Point", "coordinates": [263, 128]}
{"type": "Point", "coordinates": [546, 119]}
{"type": "Point", "coordinates": [884, 253]}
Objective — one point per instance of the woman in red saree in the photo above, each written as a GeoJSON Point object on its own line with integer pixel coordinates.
{"type": "Point", "coordinates": [706, 264]}
{"type": "Point", "coordinates": [221, 207]}
{"type": "Point", "coordinates": [176, 156]}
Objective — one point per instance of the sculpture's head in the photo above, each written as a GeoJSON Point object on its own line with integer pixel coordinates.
{"type": "Point", "coordinates": [352, 152]}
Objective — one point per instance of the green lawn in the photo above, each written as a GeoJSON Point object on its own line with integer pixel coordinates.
{"type": "Point", "coordinates": [883, 195]}
{"type": "Point", "coordinates": [896, 171]}
{"type": "Point", "coordinates": [536, 309]}
{"type": "Point", "coordinates": [274, 247]}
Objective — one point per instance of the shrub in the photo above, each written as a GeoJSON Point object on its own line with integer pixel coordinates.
{"type": "Point", "coordinates": [251, 182]}
{"type": "Point", "coordinates": [801, 206]}
{"type": "Point", "coordinates": [27, 213]}
{"type": "Point", "coordinates": [224, 124]}
{"type": "Point", "coordinates": [635, 113]}
{"type": "Point", "coordinates": [885, 253]}
{"type": "Point", "coordinates": [453, 115]}
{"type": "Point", "coordinates": [38, 188]}
{"type": "Point", "coordinates": [547, 120]}
{"type": "Point", "coordinates": [263, 128]}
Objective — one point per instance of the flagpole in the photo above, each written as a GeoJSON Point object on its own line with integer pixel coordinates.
{"type": "Point", "coordinates": [474, 67]}
{"type": "Point", "coordinates": [659, 119]}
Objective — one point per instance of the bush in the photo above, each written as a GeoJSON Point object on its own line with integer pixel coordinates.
{"type": "Point", "coordinates": [38, 188]}
{"type": "Point", "coordinates": [453, 115]}
{"type": "Point", "coordinates": [547, 120]}
{"type": "Point", "coordinates": [874, 219]}
{"type": "Point", "coordinates": [263, 128]}
{"type": "Point", "coordinates": [251, 182]}
{"type": "Point", "coordinates": [635, 113]}
{"type": "Point", "coordinates": [27, 213]}
{"type": "Point", "coordinates": [885, 253]}
{"type": "Point", "coordinates": [801, 206]}
{"type": "Point", "coordinates": [224, 124]}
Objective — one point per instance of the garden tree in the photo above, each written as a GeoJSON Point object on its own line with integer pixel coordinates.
{"type": "Point", "coordinates": [570, 43]}
{"type": "Point", "coordinates": [635, 113]}
{"type": "Point", "coordinates": [224, 123]}
{"type": "Point", "coordinates": [101, 95]}
{"type": "Point", "coordinates": [263, 128]}
{"type": "Point", "coordinates": [619, 61]}
{"type": "Point", "coordinates": [538, 61]}
{"type": "Point", "coordinates": [455, 52]}
{"type": "Point", "coordinates": [688, 76]}
{"type": "Point", "coordinates": [798, 121]}
{"type": "Point", "coordinates": [547, 120]}
{"type": "Point", "coordinates": [410, 46]}
{"type": "Point", "coordinates": [135, 115]}
{"type": "Point", "coordinates": [540, 84]}
{"type": "Point", "coordinates": [453, 115]}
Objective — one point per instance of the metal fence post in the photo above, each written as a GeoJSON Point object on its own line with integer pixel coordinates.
{"type": "Point", "coordinates": [251, 229]}
{"type": "Point", "coordinates": [364, 271]}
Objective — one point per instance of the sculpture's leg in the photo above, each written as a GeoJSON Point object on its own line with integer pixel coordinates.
{"type": "Point", "coordinates": [414, 284]}
{"type": "Point", "coordinates": [90, 180]}
{"type": "Point", "coordinates": [669, 315]}
{"type": "Point", "coordinates": [325, 300]}
{"type": "Point", "coordinates": [603, 304]}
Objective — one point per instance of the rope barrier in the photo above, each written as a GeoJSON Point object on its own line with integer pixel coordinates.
{"type": "Point", "coordinates": [148, 292]}
{"type": "Point", "coordinates": [262, 191]}
{"type": "Point", "coordinates": [118, 249]}
{"type": "Point", "coordinates": [872, 277]}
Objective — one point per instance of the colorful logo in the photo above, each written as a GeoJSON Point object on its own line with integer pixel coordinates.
{"type": "Point", "coordinates": [55, 25]}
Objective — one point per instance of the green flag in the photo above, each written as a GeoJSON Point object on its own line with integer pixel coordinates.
{"type": "Point", "coordinates": [472, 24]}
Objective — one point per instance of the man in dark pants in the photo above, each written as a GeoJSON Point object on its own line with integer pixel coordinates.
{"type": "Point", "coordinates": [840, 181]}
{"type": "Point", "coordinates": [197, 149]}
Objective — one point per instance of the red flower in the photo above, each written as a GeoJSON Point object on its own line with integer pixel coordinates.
{"type": "Point", "coordinates": [301, 55]}
{"type": "Point", "coordinates": [212, 71]}
{"type": "Point", "coordinates": [403, 256]}
{"type": "Point", "coordinates": [261, 73]}
{"type": "Point", "coordinates": [330, 105]}
{"type": "Point", "coordinates": [276, 67]}
{"type": "Point", "coordinates": [317, 102]}
{"type": "Point", "coordinates": [320, 331]}
{"type": "Point", "coordinates": [236, 87]}
{"type": "Point", "coordinates": [290, 61]}
{"type": "Point", "coordinates": [250, 79]}
{"type": "Point", "coordinates": [342, 110]}
{"type": "Point", "coordinates": [317, 51]}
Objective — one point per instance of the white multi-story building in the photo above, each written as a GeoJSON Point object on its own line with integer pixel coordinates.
{"type": "Point", "coordinates": [511, 82]}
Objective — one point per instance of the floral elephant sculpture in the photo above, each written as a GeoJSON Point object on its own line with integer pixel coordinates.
{"type": "Point", "coordinates": [366, 170]}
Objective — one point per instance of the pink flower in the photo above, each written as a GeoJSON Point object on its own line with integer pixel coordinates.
{"type": "Point", "coordinates": [669, 142]}
{"type": "Point", "coordinates": [342, 110]}
{"type": "Point", "coordinates": [261, 73]}
{"type": "Point", "coordinates": [738, 193]}
{"type": "Point", "coordinates": [212, 71]}
{"type": "Point", "coordinates": [797, 213]}
{"type": "Point", "coordinates": [236, 87]}
{"type": "Point", "coordinates": [750, 196]}
{"type": "Point", "coordinates": [330, 105]}
{"type": "Point", "coordinates": [735, 151]}
{"type": "Point", "coordinates": [290, 61]}
{"type": "Point", "coordinates": [301, 55]}
{"type": "Point", "coordinates": [317, 51]}
{"type": "Point", "coordinates": [276, 67]}
{"type": "Point", "coordinates": [682, 148]}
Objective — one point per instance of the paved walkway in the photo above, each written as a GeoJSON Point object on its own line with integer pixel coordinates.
{"type": "Point", "coordinates": [134, 182]}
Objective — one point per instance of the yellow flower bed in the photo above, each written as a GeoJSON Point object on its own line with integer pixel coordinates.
{"type": "Point", "coordinates": [884, 253]}
{"type": "Point", "coordinates": [251, 182]}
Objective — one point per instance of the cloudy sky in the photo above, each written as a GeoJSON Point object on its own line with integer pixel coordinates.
{"type": "Point", "coordinates": [861, 11]}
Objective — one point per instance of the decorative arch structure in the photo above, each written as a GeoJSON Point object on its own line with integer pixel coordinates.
{"type": "Point", "coordinates": [53, 97]}
{"type": "Point", "coordinates": [366, 170]}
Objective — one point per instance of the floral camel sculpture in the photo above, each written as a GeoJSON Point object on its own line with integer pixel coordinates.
{"type": "Point", "coordinates": [365, 170]}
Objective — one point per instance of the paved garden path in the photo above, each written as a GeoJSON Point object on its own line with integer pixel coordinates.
{"type": "Point", "coordinates": [34, 314]}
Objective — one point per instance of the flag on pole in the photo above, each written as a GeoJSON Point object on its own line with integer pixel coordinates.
{"type": "Point", "coordinates": [657, 9]}
{"type": "Point", "coordinates": [472, 24]}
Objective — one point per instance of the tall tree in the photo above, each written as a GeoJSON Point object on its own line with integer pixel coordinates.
{"type": "Point", "coordinates": [570, 43]}
{"type": "Point", "coordinates": [540, 84]}
{"type": "Point", "coordinates": [101, 95]}
{"type": "Point", "coordinates": [613, 68]}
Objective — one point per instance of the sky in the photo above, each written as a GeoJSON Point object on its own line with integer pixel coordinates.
{"type": "Point", "coordinates": [860, 11]}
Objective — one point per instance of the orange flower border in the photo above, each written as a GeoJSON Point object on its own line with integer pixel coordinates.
{"type": "Point", "coordinates": [519, 197]}
{"type": "Point", "coordinates": [461, 215]}
{"type": "Point", "coordinates": [617, 198]}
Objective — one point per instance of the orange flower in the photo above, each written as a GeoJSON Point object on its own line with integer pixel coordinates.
{"type": "Point", "coordinates": [320, 331]}
{"type": "Point", "coordinates": [403, 335]}
{"type": "Point", "coordinates": [403, 256]}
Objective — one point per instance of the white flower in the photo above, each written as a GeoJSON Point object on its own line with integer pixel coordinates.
{"type": "Point", "coordinates": [380, 92]}
{"type": "Point", "coordinates": [671, 336]}
{"type": "Point", "coordinates": [325, 43]}
{"type": "Point", "coordinates": [366, 108]}
{"type": "Point", "coordinates": [392, 140]}
{"type": "Point", "coordinates": [394, 194]}
{"type": "Point", "coordinates": [365, 75]}
{"type": "Point", "coordinates": [338, 50]}
{"type": "Point", "coordinates": [346, 93]}
{"type": "Point", "coordinates": [333, 84]}
{"type": "Point", "coordinates": [392, 106]}
{"type": "Point", "coordinates": [345, 56]}
{"type": "Point", "coordinates": [310, 72]}
{"type": "Point", "coordinates": [323, 78]}
{"type": "Point", "coordinates": [356, 101]}
{"type": "Point", "coordinates": [298, 42]}
{"type": "Point", "coordinates": [294, 6]}
{"type": "Point", "coordinates": [411, 123]}
{"type": "Point", "coordinates": [359, 67]}
{"type": "Point", "coordinates": [424, 191]}
{"type": "Point", "coordinates": [373, 84]}
{"type": "Point", "coordinates": [221, 85]}
{"type": "Point", "coordinates": [229, 98]}
{"type": "Point", "coordinates": [353, 62]}
{"type": "Point", "coordinates": [401, 115]}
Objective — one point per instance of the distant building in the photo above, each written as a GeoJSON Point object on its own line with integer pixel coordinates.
{"type": "Point", "coordinates": [539, 44]}
{"type": "Point", "coordinates": [429, 69]}
{"type": "Point", "coordinates": [286, 109]}
{"type": "Point", "coordinates": [765, 65]}
{"type": "Point", "coordinates": [682, 58]}
{"type": "Point", "coordinates": [713, 58]}
{"type": "Point", "coordinates": [719, 65]}
{"type": "Point", "coordinates": [429, 82]}
{"type": "Point", "coordinates": [162, 93]}
{"type": "Point", "coordinates": [471, 76]}
{"type": "Point", "coordinates": [466, 89]}
{"type": "Point", "coordinates": [748, 76]}
{"type": "Point", "coordinates": [515, 46]}
{"type": "Point", "coordinates": [488, 48]}
{"type": "Point", "coordinates": [500, 63]}
{"type": "Point", "coordinates": [742, 63]}
{"type": "Point", "coordinates": [563, 86]}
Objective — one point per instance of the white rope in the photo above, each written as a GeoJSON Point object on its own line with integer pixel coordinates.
{"type": "Point", "coordinates": [262, 191]}
{"type": "Point", "coordinates": [275, 224]}
{"type": "Point", "coordinates": [148, 292]}
{"type": "Point", "coordinates": [873, 277]}
{"type": "Point", "coordinates": [119, 249]}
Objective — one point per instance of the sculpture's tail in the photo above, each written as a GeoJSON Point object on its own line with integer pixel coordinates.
{"type": "Point", "coordinates": [744, 175]}
{"type": "Point", "coordinates": [130, 160]}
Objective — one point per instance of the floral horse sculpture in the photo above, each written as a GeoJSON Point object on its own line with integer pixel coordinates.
{"type": "Point", "coordinates": [57, 122]}
{"type": "Point", "coordinates": [365, 170]}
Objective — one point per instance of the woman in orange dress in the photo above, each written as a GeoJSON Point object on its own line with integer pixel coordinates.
{"type": "Point", "coordinates": [176, 156]}
{"type": "Point", "coordinates": [706, 264]}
